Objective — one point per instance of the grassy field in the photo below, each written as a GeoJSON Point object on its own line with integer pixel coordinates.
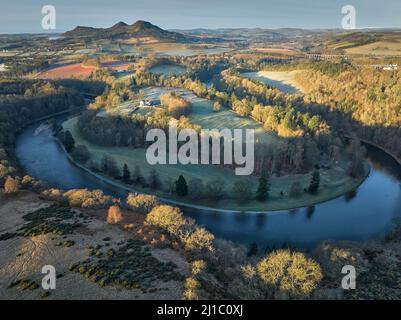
{"type": "Point", "coordinates": [334, 182]}
{"type": "Point", "coordinates": [363, 43]}
{"type": "Point", "coordinates": [282, 80]}
{"type": "Point", "coordinates": [202, 114]}
{"type": "Point", "coordinates": [168, 69]}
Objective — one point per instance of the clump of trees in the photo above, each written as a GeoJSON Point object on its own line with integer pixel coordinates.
{"type": "Point", "coordinates": [167, 218]}
{"type": "Point", "coordinates": [81, 153]}
{"type": "Point", "coordinates": [82, 198]}
{"type": "Point", "coordinates": [175, 104]}
{"type": "Point", "coordinates": [290, 272]}
{"type": "Point", "coordinates": [142, 203]}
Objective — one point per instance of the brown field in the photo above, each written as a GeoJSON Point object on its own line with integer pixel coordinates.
{"type": "Point", "coordinates": [117, 65]}
{"type": "Point", "coordinates": [76, 70]}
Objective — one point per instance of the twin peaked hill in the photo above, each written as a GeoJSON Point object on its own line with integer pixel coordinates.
{"type": "Point", "coordinates": [121, 30]}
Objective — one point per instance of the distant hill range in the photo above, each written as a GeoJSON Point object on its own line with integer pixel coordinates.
{"type": "Point", "coordinates": [121, 30]}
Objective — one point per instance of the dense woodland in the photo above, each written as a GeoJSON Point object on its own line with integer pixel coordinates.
{"type": "Point", "coordinates": [21, 102]}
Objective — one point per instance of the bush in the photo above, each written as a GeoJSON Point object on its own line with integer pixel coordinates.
{"type": "Point", "coordinates": [114, 215]}
{"type": "Point", "coordinates": [81, 154]}
{"type": "Point", "coordinates": [142, 203]}
{"type": "Point", "coordinates": [11, 185]}
{"type": "Point", "coordinates": [243, 190]}
{"type": "Point", "coordinates": [191, 286]}
{"type": "Point", "coordinates": [290, 271]}
{"type": "Point", "coordinates": [167, 218]}
{"type": "Point", "coordinates": [199, 240]}
{"type": "Point", "coordinates": [197, 267]}
{"type": "Point", "coordinates": [196, 189]}
{"type": "Point", "coordinates": [215, 189]}
{"type": "Point", "coordinates": [85, 198]}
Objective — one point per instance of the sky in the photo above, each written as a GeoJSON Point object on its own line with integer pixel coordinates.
{"type": "Point", "coordinates": [24, 16]}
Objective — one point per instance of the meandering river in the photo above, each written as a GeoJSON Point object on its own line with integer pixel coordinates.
{"type": "Point", "coordinates": [369, 212]}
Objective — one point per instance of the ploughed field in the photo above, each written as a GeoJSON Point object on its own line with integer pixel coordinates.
{"type": "Point", "coordinates": [76, 70]}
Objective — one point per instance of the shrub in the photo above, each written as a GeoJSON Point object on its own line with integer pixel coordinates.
{"type": "Point", "coordinates": [11, 185]}
{"type": "Point", "coordinates": [3, 171]}
{"type": "Point", "coordinates": [81, 153]}
{"type": "Point", "coordinates": [243, 190]}
{"type": "Point", "coordinates": [114, 215]}
{"type": "Point", "coordinates": [197, 267]}
{"type": "Point", "coordinates": [199, 240]}
{"type": "Point", "coordinates": [142, 203]}
{"type": "Point", "coordinates": [215, 189]}
{"type": "Point", "coordinates": [167, 218]}
{"type": "Point", "coordinates": [196, 189]}
{"type": "Point", "coordinates": [290, 271]}
{"type": "Point", "coordinates": [87, 199]}
{"type": "Point", "coordinates": [191, 286]}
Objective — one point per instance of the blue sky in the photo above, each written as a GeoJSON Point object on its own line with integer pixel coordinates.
{"type": "Point", "coordinates": [25, 15]}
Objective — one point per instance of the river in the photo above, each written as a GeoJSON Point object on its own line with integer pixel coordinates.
{"type": "Point", "coordinates": [369, 212]}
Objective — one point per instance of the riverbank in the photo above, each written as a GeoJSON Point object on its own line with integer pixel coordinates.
{"type": "Point", "coordinates": [334, 182]}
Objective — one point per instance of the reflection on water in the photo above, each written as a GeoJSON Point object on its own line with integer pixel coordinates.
{"type": "Point", "coordinates": [367, 212]}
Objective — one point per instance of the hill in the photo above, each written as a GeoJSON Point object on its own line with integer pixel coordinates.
{"type": "Point", "coordinates": [121, 30]}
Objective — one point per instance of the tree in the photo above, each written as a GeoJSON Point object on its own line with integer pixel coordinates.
{"type": "Point", "coordinates": [142, 203]}
{"type": "Point", "coordinates": [290, 271]}
{"type": "Point", "coordinates": [81, 153]}
{"type": "Point", "coordinates": [109, 166]}
{"type": "Point", "coordinates": [200, 240]}
{"type": "Point", "coordinates": [196, 189]}
{"type": "Point", "coordinates": [295, 189]}
{"type": "Point", "coordinates": [11, 185]}
{"type": "Point", "coordinates": [356, 168]}
{"type": "Point", "coordinates": [264, 187]}
{"type": "Point", "coordinates": [167, 218]}
{"type": "Point", "coordinates": [114, 215]}
{"type": "Point", "coordinates": [215, 189]}
{"type": "Point", "coordinates": [243, 190]}
{"type": "Point", "coordinates": [126, 173]}
{"type": "Point", "coordinates": [314, 183]}
{"type": "Point", "coordinates": [181, 187]}
{"type": "Point", "coordinates": [154, 181]}
{"type": "Point", "coordinates": [68, 141]}
{"type": "Point", "coordinates": [216, 106]}
{"type": "Point", "coordinates": [137, 176]}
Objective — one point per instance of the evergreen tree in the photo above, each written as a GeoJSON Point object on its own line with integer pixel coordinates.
{"type": "Point", "coordinates": [138, 177]}
{"type": "Point", "coordinates": [126, 173]}
{"type": "Point", "coordinates": [181, 187]}
{"type": "Point", "coordinates": [154, 181]}
{"type": "Point", "coordinates": [69, 141]}
{"type": "Point", "coordinates": [264, 187]}
{"type": "Point", "coordinates": [314, 182]}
